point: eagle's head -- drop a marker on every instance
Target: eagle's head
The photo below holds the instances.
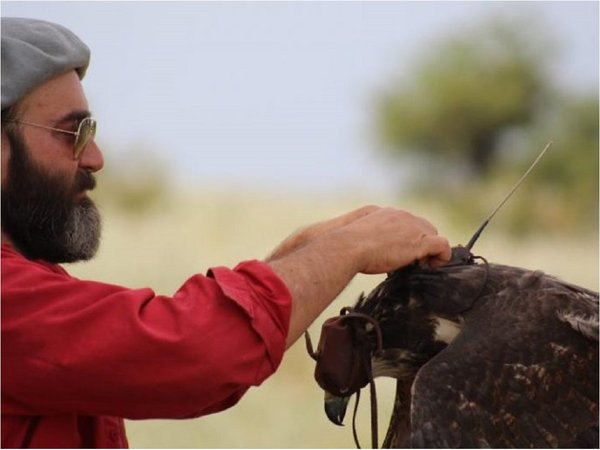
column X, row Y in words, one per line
column 390, row 332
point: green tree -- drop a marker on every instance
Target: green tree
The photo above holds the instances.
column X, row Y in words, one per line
column 473, row 114
column 464, row 95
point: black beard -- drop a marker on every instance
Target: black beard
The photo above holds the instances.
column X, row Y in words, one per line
column 40, row 212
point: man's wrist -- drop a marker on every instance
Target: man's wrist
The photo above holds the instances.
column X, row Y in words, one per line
column 344, row 247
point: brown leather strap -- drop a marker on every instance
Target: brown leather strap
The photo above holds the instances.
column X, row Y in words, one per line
column 354, row 433
column 374, row 421
column 374, row 425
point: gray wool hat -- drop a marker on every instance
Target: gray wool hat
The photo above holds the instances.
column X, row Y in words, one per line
column 35, row 51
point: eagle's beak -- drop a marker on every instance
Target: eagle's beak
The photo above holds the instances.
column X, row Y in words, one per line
column 335, row 408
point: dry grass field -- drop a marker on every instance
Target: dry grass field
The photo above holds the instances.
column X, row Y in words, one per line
column 195, row 231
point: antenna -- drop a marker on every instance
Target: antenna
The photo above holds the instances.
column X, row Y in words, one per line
column 506, row 197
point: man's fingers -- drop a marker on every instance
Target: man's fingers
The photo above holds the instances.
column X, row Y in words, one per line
column 313, row 231
column 350, row 217
column 306, row 234
column 436, row 250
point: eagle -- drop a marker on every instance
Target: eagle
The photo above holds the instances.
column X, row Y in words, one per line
column 485, row 355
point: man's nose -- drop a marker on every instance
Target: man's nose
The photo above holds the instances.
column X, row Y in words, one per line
column 91, row 158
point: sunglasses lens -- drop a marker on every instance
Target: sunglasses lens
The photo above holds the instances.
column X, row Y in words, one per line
column 85, row 133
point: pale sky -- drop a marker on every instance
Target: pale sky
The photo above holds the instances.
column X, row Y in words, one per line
column 275, row 95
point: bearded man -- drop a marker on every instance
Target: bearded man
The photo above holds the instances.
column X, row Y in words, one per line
column 78, row 356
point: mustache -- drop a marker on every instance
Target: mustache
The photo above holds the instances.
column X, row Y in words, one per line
column 84, row 181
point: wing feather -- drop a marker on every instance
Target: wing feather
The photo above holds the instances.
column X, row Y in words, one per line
column 516, row 375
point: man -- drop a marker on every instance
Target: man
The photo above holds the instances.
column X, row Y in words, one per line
column 79, row 356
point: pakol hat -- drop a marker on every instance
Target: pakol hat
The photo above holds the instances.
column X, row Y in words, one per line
column 35, row 51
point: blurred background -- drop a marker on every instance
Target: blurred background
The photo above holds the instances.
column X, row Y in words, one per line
column 228, row 125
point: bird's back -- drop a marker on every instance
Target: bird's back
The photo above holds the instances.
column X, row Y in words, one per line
column 523, row 371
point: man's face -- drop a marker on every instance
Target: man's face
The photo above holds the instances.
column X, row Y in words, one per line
column 45, row 211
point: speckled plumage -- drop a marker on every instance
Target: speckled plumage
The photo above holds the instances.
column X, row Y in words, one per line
column 521, row 372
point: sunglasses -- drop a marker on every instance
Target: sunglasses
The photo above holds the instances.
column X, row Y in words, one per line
column 86, row 131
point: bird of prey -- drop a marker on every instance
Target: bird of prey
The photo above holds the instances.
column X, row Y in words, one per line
column 485, row 355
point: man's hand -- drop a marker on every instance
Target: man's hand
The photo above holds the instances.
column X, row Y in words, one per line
column 307, row 234
column 317, row 262
column 390, row 238
column 414, row 238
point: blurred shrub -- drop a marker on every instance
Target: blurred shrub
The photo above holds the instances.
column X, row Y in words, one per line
column 473, row 115
column 564, row 192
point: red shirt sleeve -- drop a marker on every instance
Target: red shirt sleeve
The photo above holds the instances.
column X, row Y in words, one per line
column 74, row 346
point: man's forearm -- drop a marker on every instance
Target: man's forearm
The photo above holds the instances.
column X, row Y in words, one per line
column 315, row 274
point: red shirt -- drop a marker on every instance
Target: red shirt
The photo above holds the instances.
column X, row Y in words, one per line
column 78, row 356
